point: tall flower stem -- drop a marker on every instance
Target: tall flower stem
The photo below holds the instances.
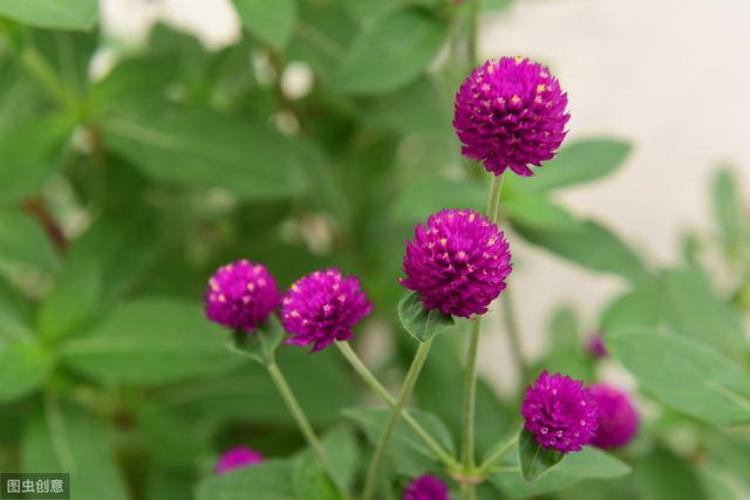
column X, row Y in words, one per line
column 371, row 483
column 470, row 377
column 299, row 416
column 378, row 388
column 511, row 326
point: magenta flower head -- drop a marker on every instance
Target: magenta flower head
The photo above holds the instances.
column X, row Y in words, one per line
column 457, row 262
column 238, row 457
column 426, row 487
column 322, row 307
column 596, row 347
column 510, row 114
column 560, row 413
column 618, row 419
column 241, row 295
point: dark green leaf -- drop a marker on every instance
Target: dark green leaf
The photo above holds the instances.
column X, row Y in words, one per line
column 311, row 482
column 64, row 439
column 55, row 14
column 72, row 304
column 421, row 324
column 592, row 246
column 684, row 374
column 691, row 308
column 270, row 480
column 150, row 341
column 533, row 458
column 391, row 54
column 24, row 367
column 23, row 241
column 589, row 463
column 343, row 451
column 271, row 22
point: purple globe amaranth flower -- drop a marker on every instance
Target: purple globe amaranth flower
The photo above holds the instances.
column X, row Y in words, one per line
column 560, row 413
column 596, row 347
column 322, row 307
column 618, row 418
column 510, row 114
column 426, row 487
column 235, row 458
column 241, row 295
column 457, row 262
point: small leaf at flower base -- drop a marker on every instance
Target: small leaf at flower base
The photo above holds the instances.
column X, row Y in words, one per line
column 421, row 324
column 262, row 344
column 534, row 459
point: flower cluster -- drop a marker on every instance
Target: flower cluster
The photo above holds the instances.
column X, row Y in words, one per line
column 457, row 262
column 426, row 487
column 510, row 114
column 560, row 413
column 235, row 458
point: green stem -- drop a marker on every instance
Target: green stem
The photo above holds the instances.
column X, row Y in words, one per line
column 371, row 483
column 511, row 326
column 299, row 415
column 473, row 35
column 388, row 399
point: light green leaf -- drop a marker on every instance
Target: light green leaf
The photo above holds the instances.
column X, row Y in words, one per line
column 311, row 482
column 728, row 206
column 421, row 324
column 271, row 22
column 392, row 53
column 14, row 315
column 343, row 451
column 55, row 14
column 662, row 474
column 536, row 211
column 691, row 308
column 205, row 148
column 533, row 458
column 64, row 439
column 592, row 246
column 566, row 352
column 23, row 241
column 150, row 341
column 577, row 163
column 633, row 309
column 270, row 480
column 422, row 198
column 684, row 374
column 589, row 463
column 31, row 153
column 24, row 367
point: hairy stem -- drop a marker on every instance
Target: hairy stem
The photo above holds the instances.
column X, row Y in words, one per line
column 371, row 483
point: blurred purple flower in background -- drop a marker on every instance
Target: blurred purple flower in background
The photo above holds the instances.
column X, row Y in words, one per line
column 618, row 418
column 457, row 262
column 426, row 487
column 235, row 458
column 510, row 114
column 596, row 346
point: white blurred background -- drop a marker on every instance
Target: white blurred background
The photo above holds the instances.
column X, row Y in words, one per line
column 670, row 75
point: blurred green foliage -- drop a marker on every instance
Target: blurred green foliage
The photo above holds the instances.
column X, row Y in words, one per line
column 120, row 193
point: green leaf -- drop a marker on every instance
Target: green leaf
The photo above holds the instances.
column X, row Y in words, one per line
column 64, row 439
column 150, row 341
column 205, row 148
column 691, row 308
column 14, row 315
column 24, row 367
column 23, row 241
column 577, row 163
column 684, row 374
column 343, row 451
column 536, row 211
column 633, row 309
column 311, row 482
column 662, row 474
column 533, row 458
column 72, row 304
column 592, row 246
column 55, row 14
column 394, row 52
column 588, row 463
column 728, row 206
column 422, row 198
column 270, row 480
column 566, row 353
column 271, row 22
column 31, row 153
column 407, row 451
column 421, row 324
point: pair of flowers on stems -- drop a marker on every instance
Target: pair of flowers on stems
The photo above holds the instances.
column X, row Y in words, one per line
column 509, row 114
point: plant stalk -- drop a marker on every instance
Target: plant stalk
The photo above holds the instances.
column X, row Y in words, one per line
column 371, row 483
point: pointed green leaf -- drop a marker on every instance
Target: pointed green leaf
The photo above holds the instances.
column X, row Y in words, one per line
column 24, row 366
column 270, row 480
column 271, row 22
column 421, row 324
column 55, row 14
column 534, row 459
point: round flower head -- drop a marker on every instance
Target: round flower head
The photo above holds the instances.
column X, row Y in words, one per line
column 457, row 262
column 559, row 412
column 596, row 346
column 322, row 307
column 236, row 458
column 426, row 488
column 618, row 419
column 510, row 114
column 241, row 295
